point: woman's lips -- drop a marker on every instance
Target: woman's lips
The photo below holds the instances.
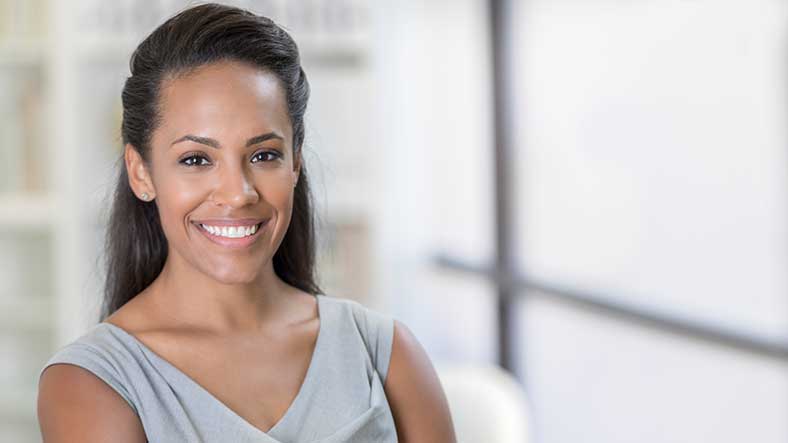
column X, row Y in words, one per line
column 233, row 243
column 230, row 221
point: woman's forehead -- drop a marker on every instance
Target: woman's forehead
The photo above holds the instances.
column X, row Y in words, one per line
column 224, row 97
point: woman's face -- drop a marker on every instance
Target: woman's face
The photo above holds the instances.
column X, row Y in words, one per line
column 221, row 167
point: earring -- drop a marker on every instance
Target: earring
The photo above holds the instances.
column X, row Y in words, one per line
column 145, row 196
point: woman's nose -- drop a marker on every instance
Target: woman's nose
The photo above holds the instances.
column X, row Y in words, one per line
column 235, row 189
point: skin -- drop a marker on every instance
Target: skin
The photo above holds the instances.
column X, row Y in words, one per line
column 213, row 308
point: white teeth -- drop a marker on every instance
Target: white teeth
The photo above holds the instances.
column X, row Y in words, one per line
column 232, row 231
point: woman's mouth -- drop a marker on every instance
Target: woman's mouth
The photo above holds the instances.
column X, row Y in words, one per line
column 233, row 236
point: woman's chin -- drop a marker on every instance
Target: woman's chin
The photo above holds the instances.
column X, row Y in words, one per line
column 234, row 276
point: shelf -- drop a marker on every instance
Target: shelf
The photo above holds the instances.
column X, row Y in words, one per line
column 21, row 210
column 334, row 51
column 26, row 312
column 21, row 53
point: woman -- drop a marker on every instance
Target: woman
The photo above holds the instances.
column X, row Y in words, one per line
column 213, row 327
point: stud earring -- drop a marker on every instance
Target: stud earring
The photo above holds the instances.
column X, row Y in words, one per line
column 145, row 196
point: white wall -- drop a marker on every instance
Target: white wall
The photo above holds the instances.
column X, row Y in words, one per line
column 652, row 165
column 432, row 169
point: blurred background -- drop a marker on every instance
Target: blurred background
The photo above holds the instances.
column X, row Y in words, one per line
column 580, row 207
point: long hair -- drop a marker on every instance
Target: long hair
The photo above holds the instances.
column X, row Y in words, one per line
column 136, row 247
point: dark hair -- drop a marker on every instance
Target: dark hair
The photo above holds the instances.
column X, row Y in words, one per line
column 136, row 247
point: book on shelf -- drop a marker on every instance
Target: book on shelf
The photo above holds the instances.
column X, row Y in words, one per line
column 10, row 133
column 21, row 20
column 324, row 20
column 21, row 122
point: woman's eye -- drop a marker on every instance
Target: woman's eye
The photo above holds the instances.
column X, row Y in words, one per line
column 199, row 160
column 261, row 156
column 195, row 160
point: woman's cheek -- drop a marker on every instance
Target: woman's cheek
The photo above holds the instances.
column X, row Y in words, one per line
column 177, row 199
column 278, row 194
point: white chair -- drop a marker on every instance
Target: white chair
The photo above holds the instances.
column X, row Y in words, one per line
column 487, row 404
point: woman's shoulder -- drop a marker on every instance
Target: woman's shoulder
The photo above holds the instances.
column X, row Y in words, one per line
column 103, row 352
column 373, row 326
column 360, row 311
column 96, row 343
column 371, row 321
column 83, row 380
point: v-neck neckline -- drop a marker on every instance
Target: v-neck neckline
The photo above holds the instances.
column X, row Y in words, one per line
column 307, row 382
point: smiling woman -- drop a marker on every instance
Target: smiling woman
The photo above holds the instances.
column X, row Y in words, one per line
column 213, row 328
column 204, row 168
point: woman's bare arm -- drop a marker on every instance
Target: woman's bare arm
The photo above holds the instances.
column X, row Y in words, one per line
column 76, row 406
column 418, row 403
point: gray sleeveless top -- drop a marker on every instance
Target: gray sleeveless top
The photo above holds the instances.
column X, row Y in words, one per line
column 341, row 398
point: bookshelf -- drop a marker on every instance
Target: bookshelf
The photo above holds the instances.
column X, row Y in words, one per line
column 62, row 67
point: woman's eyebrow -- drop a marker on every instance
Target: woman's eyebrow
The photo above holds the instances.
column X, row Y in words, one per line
column 215, row 143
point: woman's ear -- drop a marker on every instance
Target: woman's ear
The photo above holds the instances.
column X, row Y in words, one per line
column 139, row 178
